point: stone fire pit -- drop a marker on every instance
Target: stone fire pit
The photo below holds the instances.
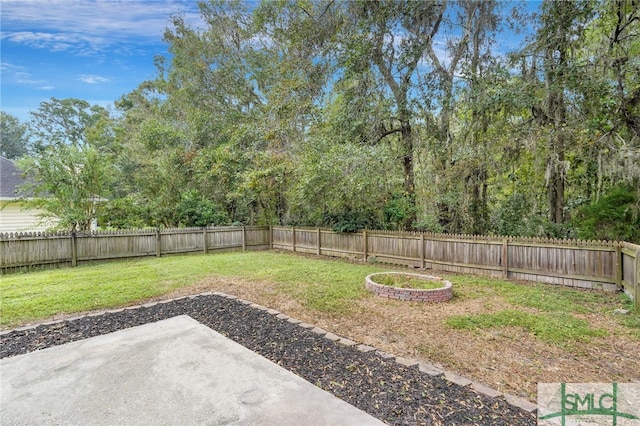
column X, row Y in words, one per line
column 441, row 293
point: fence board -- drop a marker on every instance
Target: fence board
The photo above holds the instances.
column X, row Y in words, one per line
column 224, row 239
column 28, row 252
column 346, row 245
column 257, row 238
column 306, row 240
column 98, row 247
column 282, row 237
column 20, row 251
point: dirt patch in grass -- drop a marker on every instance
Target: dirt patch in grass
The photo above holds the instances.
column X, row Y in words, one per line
column 508, row 358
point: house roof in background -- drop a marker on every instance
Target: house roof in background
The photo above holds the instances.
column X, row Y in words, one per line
column 10, row 179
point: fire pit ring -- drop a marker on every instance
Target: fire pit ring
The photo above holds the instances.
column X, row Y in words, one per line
column 441, row 294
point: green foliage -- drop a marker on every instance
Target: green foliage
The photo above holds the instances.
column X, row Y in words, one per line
column 124, row 213
column 398, row 210
column 350, row 220
column 514, row 217
column 68, row 183
column 429, row 223
column 342, row 184
column 517, row 217
column 615, row 216
column 69, row 122
column 264, row 185
column 347, row 115
column 13, row 138
column 195, row 210
column 557, row 328
column 70, row 170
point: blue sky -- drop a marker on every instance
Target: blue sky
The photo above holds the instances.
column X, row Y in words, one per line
column 96, row 50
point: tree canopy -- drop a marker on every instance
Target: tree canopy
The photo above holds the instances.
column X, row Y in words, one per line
column 394, row 114
column 13, row 138
column 70, row 167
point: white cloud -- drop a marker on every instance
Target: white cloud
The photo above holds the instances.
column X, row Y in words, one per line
column 23, row 77
column 90, row 26
column 92, row 79
column 55, row 42
column 46, row 87
column 29, row 81
column 6, row 66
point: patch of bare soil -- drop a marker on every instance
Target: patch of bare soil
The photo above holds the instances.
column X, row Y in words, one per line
column 508, row 359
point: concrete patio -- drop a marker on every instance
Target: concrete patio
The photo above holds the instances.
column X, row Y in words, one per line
column 172, row 372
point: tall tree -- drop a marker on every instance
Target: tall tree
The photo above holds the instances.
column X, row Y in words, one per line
column 70, row 170
column 610, row 94
column 393, row 37
column 481, row 70
column 553, row 58
column 13, row 138
column 623, row 52
column 455, row 83
column 394, row 114
column 461, row 82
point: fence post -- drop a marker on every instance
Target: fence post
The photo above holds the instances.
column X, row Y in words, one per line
column 270, row 237
column 422, row 255
column 244, row 239
column 365, row 245
column 636, row 296
column 293, row 237
column 505, row 257
column 618, row 265
column 74, row 249
column 204, row 239
column 319, row 245
column 158, row 243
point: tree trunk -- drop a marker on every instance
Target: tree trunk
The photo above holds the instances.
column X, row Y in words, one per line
column 408, row 173
column 556, row 161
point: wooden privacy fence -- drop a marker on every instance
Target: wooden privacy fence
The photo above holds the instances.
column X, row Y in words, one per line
column 587, row 264
column 30, row 250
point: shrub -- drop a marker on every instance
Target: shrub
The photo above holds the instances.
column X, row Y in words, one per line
column 350, row 220
column 615, row 216
column 196, row 210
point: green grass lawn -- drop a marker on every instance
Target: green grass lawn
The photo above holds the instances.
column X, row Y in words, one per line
column 557, row 328
column 321, row 285
column 556, row 321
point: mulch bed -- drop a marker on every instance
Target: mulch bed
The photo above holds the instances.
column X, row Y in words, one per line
column 393, row 393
